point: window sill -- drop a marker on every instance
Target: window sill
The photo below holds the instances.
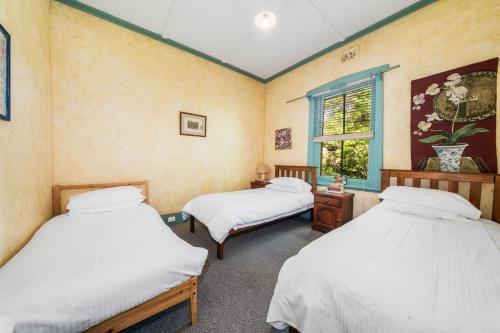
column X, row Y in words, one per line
column 357, row 187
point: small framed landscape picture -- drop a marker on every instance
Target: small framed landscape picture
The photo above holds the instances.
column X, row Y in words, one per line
column 4, row 74
column 193, row 124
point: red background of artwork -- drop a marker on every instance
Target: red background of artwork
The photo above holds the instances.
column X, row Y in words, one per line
column 481, row 145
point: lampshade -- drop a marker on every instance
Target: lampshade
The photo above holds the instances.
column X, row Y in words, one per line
column 265, row 20
column 263, row 168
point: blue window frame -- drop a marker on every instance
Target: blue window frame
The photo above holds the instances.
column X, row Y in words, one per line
column 344, row 85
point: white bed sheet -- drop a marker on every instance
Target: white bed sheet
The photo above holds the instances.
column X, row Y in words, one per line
column 221, row 212
column 393, row 272
column 80, row 270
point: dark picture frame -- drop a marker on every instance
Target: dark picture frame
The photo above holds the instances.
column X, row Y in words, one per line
column 192, row 124
column 5, row 73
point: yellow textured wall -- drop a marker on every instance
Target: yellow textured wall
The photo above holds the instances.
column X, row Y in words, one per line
column 116, row 97
column 26, row 141
column 444, row 35
column 116, row 102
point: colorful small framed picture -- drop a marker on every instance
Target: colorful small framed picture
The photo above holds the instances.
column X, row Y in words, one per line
column 4, row 74
column 283, row 139
column 193, row 124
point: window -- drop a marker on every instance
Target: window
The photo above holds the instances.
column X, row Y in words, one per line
column 346, row 130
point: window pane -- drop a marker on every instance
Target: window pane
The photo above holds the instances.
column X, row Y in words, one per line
column 348, row 158
column 333, row 118
column 355, row 158
column 331, row 153
column 358, row 106
column 347, row 113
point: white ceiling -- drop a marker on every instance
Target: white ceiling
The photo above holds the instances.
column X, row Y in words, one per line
column 225, row 29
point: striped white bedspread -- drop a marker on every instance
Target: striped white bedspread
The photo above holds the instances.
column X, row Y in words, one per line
column 394, row 272
column 80, row 270
column 221, row 212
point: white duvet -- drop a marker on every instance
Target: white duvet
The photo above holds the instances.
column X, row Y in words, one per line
column 388, row 271
column 80, row 270
column 221, row 212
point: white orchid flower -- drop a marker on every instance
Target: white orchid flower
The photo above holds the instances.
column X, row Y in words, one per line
column 433, row 89
column 457, row 95
column 453, row 80
column 419, row 99
column 424, row 126
column 461, row 91
column 433, row 116
column 452, row 83
column 454, row 76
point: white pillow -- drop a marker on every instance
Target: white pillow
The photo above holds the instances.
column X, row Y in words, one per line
column 105, row 200
column 422, row 211
column 282, row 188
column 295, row 184
column 109, row 208
column 425, row 197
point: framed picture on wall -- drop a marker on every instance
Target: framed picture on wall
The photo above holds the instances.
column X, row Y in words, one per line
column 193, row 124
column 4, row 74
column 283, row 139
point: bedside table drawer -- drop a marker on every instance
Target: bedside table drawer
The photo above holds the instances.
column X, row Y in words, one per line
column 331, row 210
column 327, row 201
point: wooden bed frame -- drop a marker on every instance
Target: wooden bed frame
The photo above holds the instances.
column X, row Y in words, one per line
column 186, row 291
column 306, row 173
column 476, row 181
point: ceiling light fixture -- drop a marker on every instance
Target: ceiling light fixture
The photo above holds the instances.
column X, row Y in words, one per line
column 265, row 20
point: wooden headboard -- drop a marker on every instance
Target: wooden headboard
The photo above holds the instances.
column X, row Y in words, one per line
column 474, row 183
column 306, row 173
column 57, row 198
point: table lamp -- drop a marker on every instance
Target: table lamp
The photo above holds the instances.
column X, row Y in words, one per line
column 263, row 170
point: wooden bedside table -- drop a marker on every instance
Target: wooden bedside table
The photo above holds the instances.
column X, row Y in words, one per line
column 258, row 183
column 331, row 210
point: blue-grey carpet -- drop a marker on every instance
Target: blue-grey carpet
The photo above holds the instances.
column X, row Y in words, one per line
column 234, row 293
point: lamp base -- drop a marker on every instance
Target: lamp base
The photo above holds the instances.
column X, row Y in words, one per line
column 263, row 177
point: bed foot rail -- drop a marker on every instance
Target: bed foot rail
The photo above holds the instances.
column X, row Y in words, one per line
column 220, row 251
column 191, row 224
column 186, row 291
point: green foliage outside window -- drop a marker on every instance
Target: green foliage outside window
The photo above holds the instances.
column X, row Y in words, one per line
column 345, row 114
column 352, row 161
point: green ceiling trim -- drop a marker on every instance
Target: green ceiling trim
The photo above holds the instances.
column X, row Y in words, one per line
column 113, row 19
column 396, row 16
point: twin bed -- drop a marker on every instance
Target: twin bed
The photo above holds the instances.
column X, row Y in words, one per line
column 229, row 214
column 99, row 272
column 421, row 261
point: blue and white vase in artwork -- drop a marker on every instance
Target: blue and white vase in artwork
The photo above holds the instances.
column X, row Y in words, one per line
column 450, row 156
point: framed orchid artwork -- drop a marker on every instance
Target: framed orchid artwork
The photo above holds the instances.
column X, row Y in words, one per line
column 453, row 120
column 4, row 74
column 283, row 139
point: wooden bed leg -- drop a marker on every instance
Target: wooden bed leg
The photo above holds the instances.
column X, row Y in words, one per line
column 220, row 251
column 191, row 224
column 194, row 301
column 312, row 214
